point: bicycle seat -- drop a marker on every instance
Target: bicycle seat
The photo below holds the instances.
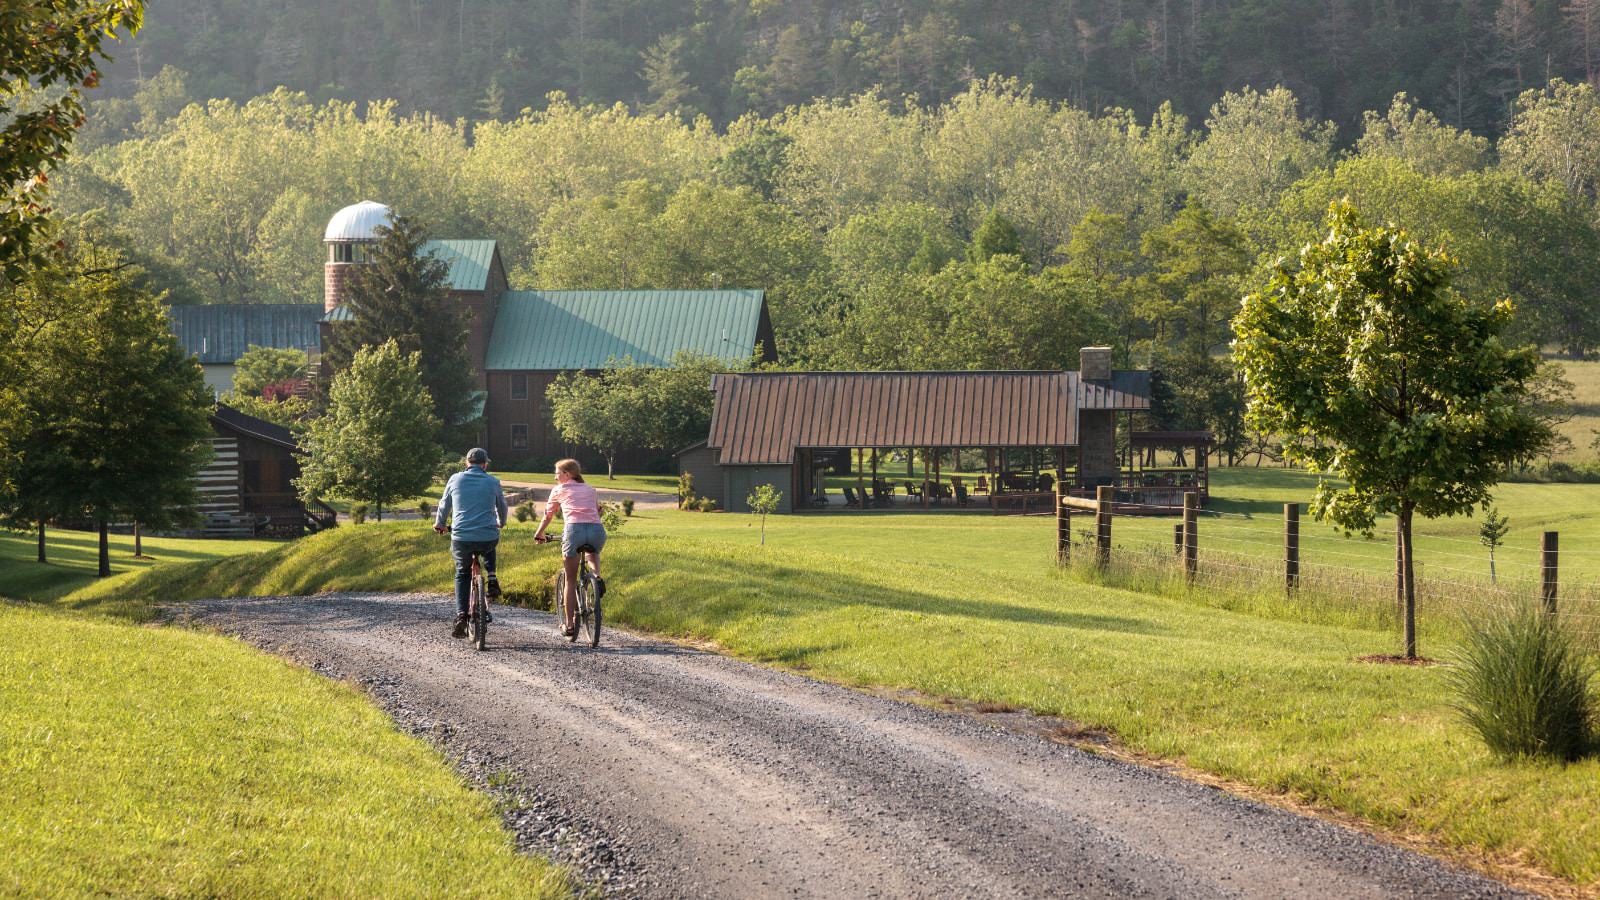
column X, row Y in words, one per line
column 585, row 548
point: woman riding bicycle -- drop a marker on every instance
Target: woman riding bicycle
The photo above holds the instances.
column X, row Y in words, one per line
column 580, row 515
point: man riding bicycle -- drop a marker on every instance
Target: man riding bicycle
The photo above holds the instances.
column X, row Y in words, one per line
column 479, row 508
column 581, row 531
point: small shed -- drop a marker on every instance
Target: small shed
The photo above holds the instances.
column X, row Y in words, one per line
column 247, row 489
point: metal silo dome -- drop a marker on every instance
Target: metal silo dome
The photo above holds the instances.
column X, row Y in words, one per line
column 357, row 223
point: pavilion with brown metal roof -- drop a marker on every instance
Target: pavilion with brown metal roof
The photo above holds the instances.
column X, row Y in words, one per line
column 785, row 428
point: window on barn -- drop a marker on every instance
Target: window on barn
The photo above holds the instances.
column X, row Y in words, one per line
column 519, row 387
column 519, row 437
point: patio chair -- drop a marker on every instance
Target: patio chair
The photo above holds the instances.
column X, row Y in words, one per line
column 983, row 485
column 961, row 495
column 913, row 491
column 850, row 497
column 1047, row 482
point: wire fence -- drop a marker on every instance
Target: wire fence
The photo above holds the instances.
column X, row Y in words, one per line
column 1282, row 568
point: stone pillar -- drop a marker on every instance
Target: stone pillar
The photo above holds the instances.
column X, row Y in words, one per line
column 1094, row 364
column 1097, row 428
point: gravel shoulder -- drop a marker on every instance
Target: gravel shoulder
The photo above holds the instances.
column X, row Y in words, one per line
column 660, row 771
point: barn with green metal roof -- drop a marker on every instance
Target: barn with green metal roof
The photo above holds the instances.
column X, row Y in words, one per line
column 520, row 341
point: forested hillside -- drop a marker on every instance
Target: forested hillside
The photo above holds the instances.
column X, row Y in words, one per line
column 1464, row 59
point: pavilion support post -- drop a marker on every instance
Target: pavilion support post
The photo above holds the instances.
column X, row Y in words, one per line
column 861, row 485
column 1191, row 537
column 1103, row 495
column 874, row 474
column 924, row 478
column 1291, row 548
column 938, row 452
column 1063, row 530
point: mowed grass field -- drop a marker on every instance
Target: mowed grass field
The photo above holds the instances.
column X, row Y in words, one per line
column 959, row 605
column 163, row 762
column 1585, row 378
column 159, row 762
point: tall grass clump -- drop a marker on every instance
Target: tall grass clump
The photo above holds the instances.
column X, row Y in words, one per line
column 1522, row 682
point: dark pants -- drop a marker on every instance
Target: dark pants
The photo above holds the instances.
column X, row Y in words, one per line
column 461, row 552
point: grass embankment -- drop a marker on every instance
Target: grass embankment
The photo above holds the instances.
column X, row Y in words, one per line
column 149, row 761
column 74, row 558
column 970, row 607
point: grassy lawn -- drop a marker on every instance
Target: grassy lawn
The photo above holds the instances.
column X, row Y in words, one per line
column 970, row 606
column 1585, row 378
column 154, row 761
column 74, row 555
column 654, row 484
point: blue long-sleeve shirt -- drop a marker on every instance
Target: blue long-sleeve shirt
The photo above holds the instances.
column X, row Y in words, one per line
column 478, row 503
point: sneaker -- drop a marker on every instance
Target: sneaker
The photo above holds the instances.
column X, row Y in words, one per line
column 487, row 617
column 461, row 626
column 599, row 588
column 492, row 587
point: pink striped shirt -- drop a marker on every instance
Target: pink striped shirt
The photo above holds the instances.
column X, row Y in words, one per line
column 578, row 501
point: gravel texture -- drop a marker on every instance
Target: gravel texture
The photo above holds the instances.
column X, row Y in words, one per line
column 659, row 771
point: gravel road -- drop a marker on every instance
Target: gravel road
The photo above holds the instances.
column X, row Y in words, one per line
column 660, row 771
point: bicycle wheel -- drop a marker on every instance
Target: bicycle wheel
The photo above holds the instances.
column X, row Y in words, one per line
column 479, row 627
column 591, row 611
column 560, row 605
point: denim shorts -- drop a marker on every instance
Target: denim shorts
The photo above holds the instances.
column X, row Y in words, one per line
column 576, row 534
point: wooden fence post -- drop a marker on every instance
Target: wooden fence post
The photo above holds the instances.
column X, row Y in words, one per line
column 1191, row 537
column 1177, row 539
column 1549, row 550
column 1291, row 547
column 1103, row 495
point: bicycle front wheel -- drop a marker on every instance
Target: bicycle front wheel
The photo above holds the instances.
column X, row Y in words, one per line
column 591, row 613
column 480, row 614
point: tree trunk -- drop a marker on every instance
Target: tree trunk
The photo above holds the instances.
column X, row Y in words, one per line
column 380, row 511
column 41, row 542
column 138, row 541
column 105, row 550
column 763, row 529
column 1409, row 581
column 1491, row 566
column 611, row 466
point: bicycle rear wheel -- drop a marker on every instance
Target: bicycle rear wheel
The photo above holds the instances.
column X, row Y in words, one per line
column 479, row 625
column 590, row 610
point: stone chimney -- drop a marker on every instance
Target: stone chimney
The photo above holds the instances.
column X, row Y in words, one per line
column 1094, row 363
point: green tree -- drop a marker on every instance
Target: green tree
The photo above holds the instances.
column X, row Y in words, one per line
column 763, row 502
column 118, row 410
column 375, row 444
column 402, row 295
column 49, row 53
column 608, row 411
column 258, row 367
column 1555, row 137
column 671, row 93
column 1375, row 371
column 1417, row 138
column 996, row 236
column 756, row 162
column 1193, row 290
column 1256, row 145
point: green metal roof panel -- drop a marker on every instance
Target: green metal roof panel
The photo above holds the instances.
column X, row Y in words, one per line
column 221, row 333
column 566, row 330
column 340, row 314
column 469, row 262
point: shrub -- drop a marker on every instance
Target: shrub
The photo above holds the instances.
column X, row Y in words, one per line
column 685, row 491
column 611, row 517
column 1523, row 684
column 708, row 504
column 627, row 507
column 524, row 512
column 425, row 508
column 358, row 514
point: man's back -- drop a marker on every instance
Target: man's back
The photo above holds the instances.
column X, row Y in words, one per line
column 479, row 506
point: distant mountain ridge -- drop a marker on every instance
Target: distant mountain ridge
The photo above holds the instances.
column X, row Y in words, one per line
column 1465, row 59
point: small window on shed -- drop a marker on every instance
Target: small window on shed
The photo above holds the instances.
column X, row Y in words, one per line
column 519, row 437
column 519, row 387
